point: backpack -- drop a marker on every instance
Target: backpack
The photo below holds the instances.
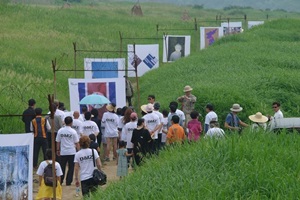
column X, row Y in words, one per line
column 48, row 176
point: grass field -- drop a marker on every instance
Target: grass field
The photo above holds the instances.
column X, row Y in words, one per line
column 254, row 69
column 251, row 166
column 250, row 69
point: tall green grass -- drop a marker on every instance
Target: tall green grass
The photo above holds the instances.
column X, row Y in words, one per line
column 251, row 166
column 31, row 36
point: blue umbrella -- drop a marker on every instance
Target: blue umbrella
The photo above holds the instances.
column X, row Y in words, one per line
column 94, row 99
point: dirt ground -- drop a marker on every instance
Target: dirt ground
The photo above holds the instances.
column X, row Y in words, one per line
column 69, row 192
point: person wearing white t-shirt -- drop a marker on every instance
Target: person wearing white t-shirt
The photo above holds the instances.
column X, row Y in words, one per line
column 77, row 124
column 164, row 128
column 210, row 116
column 58, row 112
column 46, row 191
column 278, row 114
column 152, row 123
column 214, row 131
column 127, row 134
column 110, row 120
column 160, row 116
column 89, row 126
column 84, row 165
column 177, row 112
column 67, row 144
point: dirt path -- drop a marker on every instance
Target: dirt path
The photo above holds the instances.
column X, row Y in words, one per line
column 69, row 192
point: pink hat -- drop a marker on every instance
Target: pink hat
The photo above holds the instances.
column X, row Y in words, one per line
column 133, row 115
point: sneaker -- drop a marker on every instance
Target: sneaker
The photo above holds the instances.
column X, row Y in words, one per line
column 106, row 159
column 114, row 158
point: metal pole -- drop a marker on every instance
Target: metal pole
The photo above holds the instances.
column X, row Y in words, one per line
column 54, row 76
column 51, row 100
column 137, row 79
column 196, row 30
column 121, row 43
column 75, row 52
column 228, row 31
column 157, row 32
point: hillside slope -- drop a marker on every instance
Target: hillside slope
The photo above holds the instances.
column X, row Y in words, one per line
column 32, row 36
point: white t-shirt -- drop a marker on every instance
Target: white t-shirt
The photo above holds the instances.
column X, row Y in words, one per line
column 77, row 126
column 180, row 114
column 44, row 164
column 127, row 133
column 61, row 114
column 278, row 115
column 84, row 158
column 210, row 116
column 110, row 121
column 81, row 117
column 90, row 127
column 151, row 121
column 160, row 116
column 121, row 124
column 215, row 132
column 165, row 128
column 68, row 138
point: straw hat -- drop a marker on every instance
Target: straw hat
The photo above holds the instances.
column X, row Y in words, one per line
column 187, row 88
column 149, row 107
column 236, row 108
column 143, row 108
column 110, row 108
column 258, row 117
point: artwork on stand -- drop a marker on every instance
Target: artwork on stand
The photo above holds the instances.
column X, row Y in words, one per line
column 146, row 58
column 16, row 159
column 112, row 88
column 104, row 68
column 231, row 27
column 176, row 47
column 254, row 23
column 208, row 35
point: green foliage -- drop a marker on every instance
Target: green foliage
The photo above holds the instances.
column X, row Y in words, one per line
column 236, row 7
column 200, row 7
column 251, row 166
column 250, row 68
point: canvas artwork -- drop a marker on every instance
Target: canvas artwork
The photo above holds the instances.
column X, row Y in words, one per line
column 112, row 88
column 176, row 47
column 254, row 23
column 104, row 68
column 208, row 35
column 231, row 27
column 146, row 58
column 16, row 153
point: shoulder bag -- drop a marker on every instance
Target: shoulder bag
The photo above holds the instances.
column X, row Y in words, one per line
column 99, row 176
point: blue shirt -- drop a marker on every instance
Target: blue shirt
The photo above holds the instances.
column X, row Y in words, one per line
column 232, row 122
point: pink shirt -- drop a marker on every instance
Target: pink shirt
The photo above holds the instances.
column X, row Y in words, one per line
column 195, row 129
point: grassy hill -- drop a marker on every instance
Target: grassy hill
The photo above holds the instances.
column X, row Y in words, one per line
column 254, row 166
column 253, row 69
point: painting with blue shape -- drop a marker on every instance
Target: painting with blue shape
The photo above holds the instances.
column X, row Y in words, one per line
column 102, row 69
column 14, row 169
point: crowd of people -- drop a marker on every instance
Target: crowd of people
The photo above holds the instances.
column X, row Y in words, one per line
column 78, row 138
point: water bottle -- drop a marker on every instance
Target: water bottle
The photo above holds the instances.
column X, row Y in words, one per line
column 77, row 191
